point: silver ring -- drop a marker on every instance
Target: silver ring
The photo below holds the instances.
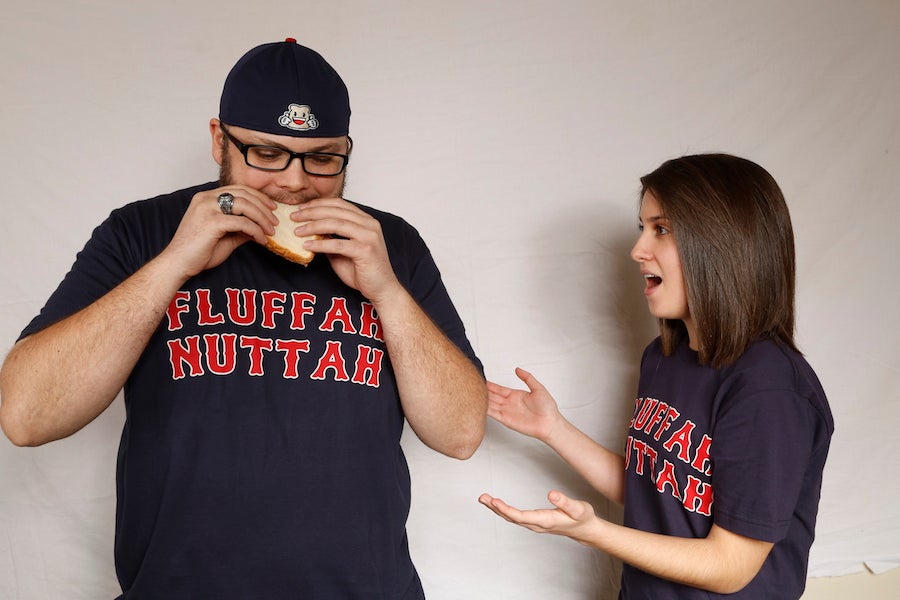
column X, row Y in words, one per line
column 226, row 203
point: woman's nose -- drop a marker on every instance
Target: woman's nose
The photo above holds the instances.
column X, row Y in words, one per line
column 640, row 252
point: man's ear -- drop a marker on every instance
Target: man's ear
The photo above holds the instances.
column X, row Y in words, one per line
column 218, row 138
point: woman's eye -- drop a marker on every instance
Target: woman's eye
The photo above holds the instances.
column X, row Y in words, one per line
column 661, row 230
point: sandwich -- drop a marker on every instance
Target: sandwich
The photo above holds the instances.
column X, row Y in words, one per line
column 284, row 242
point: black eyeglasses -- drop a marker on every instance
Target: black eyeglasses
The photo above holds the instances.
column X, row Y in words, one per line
column 273, row 158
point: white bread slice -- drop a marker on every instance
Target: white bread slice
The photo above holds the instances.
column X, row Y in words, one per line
column 285, row 243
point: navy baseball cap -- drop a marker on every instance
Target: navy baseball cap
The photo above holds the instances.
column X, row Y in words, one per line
column 284, row 88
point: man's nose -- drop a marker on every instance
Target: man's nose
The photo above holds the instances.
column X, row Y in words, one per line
column 294, row 177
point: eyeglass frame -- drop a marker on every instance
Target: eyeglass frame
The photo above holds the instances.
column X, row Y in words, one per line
column 244, row 149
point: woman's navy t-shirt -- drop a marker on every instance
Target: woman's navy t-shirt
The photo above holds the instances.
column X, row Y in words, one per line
column 742, row 446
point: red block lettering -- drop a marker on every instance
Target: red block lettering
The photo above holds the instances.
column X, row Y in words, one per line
column 637, row 408
column 682, row 438
column 338, row 313
column 221, row 352
column 628, row 447
column 671, row 415
column 644, row 413
column 657, row 416
column 368, row 360
column 370, row 326
column 652, row 454
column 190, row 356
column 639, row 447
column 292, row 350
column 331, row 359
column 698, row 496
column 642, row 450
column 701, row 460
column 272, row 304
column 256, row 346
column 177, row 306
column 204, row 308
column 667, row 477
column 302, row 305
column 238, row 299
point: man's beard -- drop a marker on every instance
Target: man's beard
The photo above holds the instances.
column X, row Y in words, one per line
column 225, row 178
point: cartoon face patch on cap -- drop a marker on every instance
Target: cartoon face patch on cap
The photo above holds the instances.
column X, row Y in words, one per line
column 298, row 117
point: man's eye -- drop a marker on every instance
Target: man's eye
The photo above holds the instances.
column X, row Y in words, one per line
column 321, row 159
column 267, row 154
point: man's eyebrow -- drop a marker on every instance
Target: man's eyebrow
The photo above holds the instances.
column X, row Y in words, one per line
column 327, row 147
column 323, row 147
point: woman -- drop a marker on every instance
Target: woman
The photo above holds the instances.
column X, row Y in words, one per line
column 722, row 470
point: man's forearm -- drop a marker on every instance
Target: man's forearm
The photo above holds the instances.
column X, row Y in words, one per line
column 56, row 381
column 443, row 394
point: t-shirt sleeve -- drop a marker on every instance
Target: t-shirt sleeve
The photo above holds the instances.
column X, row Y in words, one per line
column 415, row 267
column 105, row 261
column 763, row 442
column 130, row 237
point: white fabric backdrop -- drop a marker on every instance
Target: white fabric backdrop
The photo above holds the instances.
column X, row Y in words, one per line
column 512, row 135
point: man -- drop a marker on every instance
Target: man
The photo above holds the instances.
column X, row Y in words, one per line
column 265, row 401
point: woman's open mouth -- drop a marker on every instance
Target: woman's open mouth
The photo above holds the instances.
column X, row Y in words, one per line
column 653, row 281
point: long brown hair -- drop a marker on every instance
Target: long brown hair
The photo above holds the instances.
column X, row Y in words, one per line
column 736, row 245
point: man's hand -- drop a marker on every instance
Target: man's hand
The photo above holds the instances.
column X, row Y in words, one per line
column 207, row 236
column 47, row 392
column 354, row 243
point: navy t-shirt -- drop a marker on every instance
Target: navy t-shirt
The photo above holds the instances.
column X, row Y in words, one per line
column 260, row 456
column 742, row 446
